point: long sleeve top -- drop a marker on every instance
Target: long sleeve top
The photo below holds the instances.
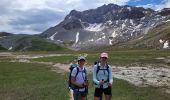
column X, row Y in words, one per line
column 102, row 75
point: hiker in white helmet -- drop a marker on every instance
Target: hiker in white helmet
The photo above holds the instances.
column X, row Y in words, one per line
column 79, row 80
column 102, row 78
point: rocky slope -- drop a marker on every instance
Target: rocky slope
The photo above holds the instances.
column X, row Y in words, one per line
column 106, row 25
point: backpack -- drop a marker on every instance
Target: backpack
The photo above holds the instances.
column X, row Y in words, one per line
column 72, row 86
column 96, row 62
column 71, row 69
column 107, row 69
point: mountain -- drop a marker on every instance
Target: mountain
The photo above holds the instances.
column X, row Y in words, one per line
column 22, row 42
column 4, row 34
column 106, row 25
column 157, row 37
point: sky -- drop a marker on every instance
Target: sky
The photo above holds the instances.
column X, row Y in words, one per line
column 35, row 16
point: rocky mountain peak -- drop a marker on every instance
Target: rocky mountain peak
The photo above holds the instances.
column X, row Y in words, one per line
column 106, row 25
column 165, row 12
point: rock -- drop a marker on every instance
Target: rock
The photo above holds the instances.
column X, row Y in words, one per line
column 106, row 25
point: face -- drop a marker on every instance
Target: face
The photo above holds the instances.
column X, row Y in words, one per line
column 103, row 59
column 81, row 62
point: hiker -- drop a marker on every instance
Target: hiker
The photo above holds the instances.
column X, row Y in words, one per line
column 102, row 78
column 79, row 80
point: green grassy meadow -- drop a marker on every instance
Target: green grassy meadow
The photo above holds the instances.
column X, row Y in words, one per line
column 24, row 81
column 117, row 57
column 21, row 81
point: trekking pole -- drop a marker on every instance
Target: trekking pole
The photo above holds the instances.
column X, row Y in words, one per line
column 111, row 93
column 86, row 97
column 101, row 88
column 110, row 97
column 77, row 96
column 86, row 88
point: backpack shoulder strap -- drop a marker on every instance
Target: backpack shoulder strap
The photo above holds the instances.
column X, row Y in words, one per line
column 85, row 71
column 107, row 68
column 77, row 72
column 98, row 68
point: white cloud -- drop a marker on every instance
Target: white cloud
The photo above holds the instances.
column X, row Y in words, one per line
column 10, row 11
column 61, row 5
column 166, row 4
column 13, row 11
column 153, row 6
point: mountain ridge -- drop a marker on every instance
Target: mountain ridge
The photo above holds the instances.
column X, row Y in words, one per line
column 106, row 25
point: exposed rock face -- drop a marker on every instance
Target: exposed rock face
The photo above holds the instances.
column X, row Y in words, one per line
column 106, row 25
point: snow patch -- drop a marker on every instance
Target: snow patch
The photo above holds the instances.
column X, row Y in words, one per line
column 143, row 18
column 161, row 41
column 91, row 40
column 123, row 25
column 103, row 37
column 69, row 17
column 139, row 26
column 129, row 8
column 80, row 20
column 114, row 34
column 52, row 37
column 10, row 48
column 152, row 25
column 110, row 42
column 126, row 20
column 99, row 39
column 140, row 37
column 59, row 41
column 168, row 20
column 77, row 37
column 131, row 21
column 109, row 22
column 166, row 45
column 117, row 22
column 94, row 27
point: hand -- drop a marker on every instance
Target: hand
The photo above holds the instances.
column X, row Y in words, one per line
column 101, row 82
column 81, row 85
column 109, row 84
column 86, row 83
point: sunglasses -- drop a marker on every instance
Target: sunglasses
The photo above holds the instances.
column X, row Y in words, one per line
column 81, row 60
column 104, row 57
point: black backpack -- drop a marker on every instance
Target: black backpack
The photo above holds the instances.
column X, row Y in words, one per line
column 72, row 86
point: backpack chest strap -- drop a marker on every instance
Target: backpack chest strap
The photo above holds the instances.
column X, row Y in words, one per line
column 83, row 71
column 107, row 69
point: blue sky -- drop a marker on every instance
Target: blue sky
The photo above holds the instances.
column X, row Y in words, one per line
column 35, row 16
column 144, row 2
